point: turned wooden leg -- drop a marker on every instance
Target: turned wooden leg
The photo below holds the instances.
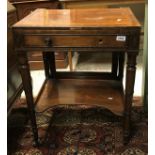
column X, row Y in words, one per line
column 129, row 90
column 121, row 66
column 114, row 66
column 26, row 79
column 52, row 67
column 46, row 64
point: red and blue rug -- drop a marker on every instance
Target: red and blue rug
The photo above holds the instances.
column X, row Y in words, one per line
column 76, row 131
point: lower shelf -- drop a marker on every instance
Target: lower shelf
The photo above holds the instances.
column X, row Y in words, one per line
column 108, row 94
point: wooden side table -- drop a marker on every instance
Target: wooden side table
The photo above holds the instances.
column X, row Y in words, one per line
column 86, row 30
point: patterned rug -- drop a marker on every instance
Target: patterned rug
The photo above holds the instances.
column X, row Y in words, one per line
column 77, row 131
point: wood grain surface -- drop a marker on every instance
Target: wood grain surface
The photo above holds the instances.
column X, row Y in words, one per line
column 118, row 17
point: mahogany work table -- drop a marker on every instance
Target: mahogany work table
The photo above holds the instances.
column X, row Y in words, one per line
column 86, row 30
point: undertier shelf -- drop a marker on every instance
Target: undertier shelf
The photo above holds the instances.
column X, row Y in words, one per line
column 104, row 93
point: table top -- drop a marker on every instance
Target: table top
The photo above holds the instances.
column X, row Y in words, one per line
column 27, row 1
column 108, row 17
column 109, row 1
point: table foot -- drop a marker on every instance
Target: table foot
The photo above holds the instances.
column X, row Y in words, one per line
column 37, row 143
column 126, row 138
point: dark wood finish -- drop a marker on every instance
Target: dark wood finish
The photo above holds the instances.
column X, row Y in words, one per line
column 46, row 65
column 86, row 26
column 114, row 63
column 85, row 75
column 121, row 65
column 11, row 56
column 14, row 82
column 129, row 90
column 52, row 68
column 72, row 41
column 26, row 78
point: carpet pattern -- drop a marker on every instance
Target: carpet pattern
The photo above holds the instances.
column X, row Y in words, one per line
column 77, row 131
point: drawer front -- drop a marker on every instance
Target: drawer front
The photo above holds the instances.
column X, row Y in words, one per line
column 74, row 41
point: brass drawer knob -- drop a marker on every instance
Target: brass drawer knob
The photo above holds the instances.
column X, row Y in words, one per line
column 48, row 41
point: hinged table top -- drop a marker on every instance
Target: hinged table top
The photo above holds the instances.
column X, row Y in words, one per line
column 108, row 17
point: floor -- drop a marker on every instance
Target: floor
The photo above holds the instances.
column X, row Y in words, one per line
column 86, row 131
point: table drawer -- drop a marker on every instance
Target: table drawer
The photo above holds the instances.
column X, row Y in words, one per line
column 74, row 41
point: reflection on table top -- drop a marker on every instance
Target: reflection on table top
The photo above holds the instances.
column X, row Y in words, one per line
column 118, row 17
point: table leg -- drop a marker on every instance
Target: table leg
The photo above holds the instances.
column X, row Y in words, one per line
column 121, row 66
column 51, row 61
column 46, row 65
column 27, row 85
column 115, row 64
column 129, row 90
